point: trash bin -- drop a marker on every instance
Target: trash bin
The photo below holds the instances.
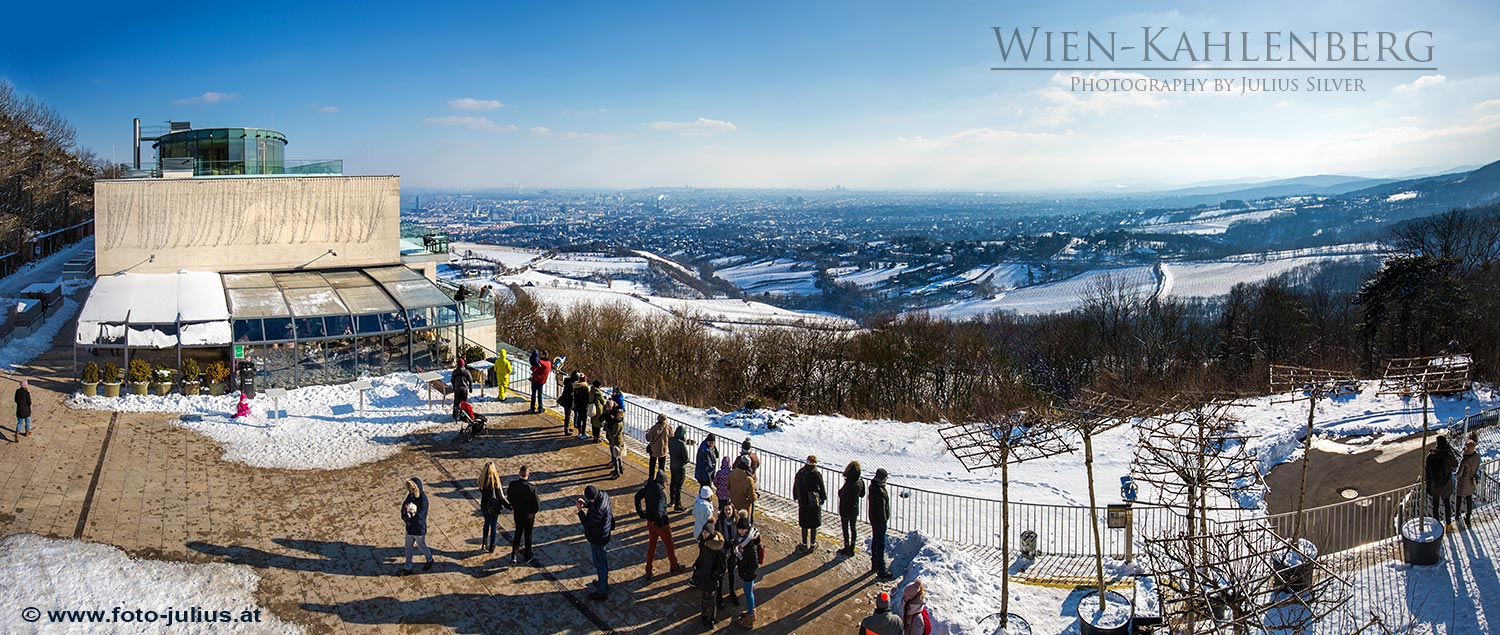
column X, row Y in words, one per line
column 245, row 377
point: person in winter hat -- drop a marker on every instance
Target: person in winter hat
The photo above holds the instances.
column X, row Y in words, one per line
column 721, row 480
column 491, row 502
column 677, row 451
column 656, row 444
column 850, row 492
column 581, row 399
column 503, row 369
column 614, row 435
column 565, row 401
column 460, row 381
column 23, row 410
column 742, row 487
column 807, row 490
column 651, row 505
column 524, row 506
column 724, row 524
column 1439, row 468
column 882, row 621
column 541, row 369
column 242, row 411
column 703, row 512
column 1468, row 478
column 747, row 565
column 708, row 457
column 914, row 616
column 414, row 516
column 597, row 401
column 880, row 518
column 750, row 456
column 598, row 523
column 708, row 571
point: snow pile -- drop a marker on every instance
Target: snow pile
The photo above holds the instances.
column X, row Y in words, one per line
column 1401, row 196
column 49, row 575
column 20, row 351
column 320, row 430
column 963, row 593
column 751, row 420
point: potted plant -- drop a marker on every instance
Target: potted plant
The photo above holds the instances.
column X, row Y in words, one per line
column 111, row 379
column 1422, row 540
column 161, row 381
column 1292, row 567
column 190, row 377
column 140, row 376
column 91, row 379
column 217, row 373
column 1112, row 619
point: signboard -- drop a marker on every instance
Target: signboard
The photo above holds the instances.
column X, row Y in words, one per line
column 1119, row 516
column 239, row 351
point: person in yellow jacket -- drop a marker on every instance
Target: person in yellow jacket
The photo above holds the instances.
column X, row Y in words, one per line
column 502, row 374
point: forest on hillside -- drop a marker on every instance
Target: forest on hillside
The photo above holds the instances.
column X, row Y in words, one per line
column 46, row 179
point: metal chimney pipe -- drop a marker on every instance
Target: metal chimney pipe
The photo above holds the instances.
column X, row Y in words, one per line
column 137, row 143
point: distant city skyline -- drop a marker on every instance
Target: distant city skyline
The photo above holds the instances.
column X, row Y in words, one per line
column 874, row 96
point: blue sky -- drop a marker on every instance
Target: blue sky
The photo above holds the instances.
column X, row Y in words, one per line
column 889, row 95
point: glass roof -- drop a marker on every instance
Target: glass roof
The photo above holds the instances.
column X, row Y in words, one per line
column 246, row 304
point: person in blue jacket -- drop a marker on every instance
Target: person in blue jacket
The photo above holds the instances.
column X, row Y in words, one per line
column 414, row 516
column 598, row 523
column 708, row 458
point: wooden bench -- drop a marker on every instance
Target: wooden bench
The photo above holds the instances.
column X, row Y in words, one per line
column 1145, row 605
column 441, row 387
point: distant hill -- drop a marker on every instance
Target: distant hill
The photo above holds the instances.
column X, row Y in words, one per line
column 1322, row 184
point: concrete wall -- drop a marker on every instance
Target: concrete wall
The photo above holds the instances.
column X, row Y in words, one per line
column 246, row 223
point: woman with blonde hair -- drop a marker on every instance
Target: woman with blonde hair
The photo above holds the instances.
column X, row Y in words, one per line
column 491, row 502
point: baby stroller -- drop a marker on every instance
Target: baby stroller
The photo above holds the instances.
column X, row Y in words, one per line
column 473, row 422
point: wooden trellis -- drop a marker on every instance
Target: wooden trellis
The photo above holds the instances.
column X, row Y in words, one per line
column 1298, row 383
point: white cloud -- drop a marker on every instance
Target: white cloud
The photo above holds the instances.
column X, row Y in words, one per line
column 209, row 97
column 470, row 103
column 540, row 131
column 701, row 127
column 1062, row 105
column 327, row 108
column 1420, row 83
column 482, row 124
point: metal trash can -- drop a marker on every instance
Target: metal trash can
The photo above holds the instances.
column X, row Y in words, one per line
column 245, row 377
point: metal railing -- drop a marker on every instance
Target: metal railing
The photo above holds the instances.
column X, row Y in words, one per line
column 238, row 168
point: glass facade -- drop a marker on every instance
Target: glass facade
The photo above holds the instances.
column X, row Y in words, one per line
column 227, row 151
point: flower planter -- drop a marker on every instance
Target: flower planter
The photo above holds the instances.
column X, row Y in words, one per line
column 161, row 389
column 1291, row 570
column 1422, row 541
column 90, row 390
column 111, row 389
column 216, row 389
column 191, row 388
column 1014, row 625
column 1115, row 620
column 139, row 388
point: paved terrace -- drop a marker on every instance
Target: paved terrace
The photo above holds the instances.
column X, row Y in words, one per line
column 326, row 543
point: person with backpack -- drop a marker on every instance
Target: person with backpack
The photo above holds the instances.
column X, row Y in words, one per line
column 598, row 522
column 807, row 490
column 880, row 518
column 651, row 505
column 582, row 390
column 850, row 492
column 742, row 487
column 541, row 369
column 703, row 464
column 414, row 516
column 614, row 434
column 748, row 556
column 524, row 506
column 881, row 622
column 565, row 401
column 914, row 616
column 656, row 444
column 491, row 502
column 1468, row 478
column 721, row 480
column 1439, row 468
column 678, row 459
column 708, row 573
column 23, row 410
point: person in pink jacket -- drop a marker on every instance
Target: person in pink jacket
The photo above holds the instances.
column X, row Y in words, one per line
column 721, row 481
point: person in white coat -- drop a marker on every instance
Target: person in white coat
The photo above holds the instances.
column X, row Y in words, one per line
column 703, row 510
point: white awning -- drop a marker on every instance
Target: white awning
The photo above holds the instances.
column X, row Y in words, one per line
column 155, row 306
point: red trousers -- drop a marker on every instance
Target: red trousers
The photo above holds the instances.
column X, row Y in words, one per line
column 663, row 533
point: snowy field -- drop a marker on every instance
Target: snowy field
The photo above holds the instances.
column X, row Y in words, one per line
column 1052, row 297
column 49, row 574
column 511, row 257
column 873, row 277
column 1216, row 278
column 774, row 277
column 320, row 429
column 581, row 265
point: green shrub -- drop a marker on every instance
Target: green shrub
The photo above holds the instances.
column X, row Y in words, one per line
column 190, row 370
column 755, row 403
column 111, row 374
column 217, row 373
column 472, row 353
column 140, row 371
column 91, row 373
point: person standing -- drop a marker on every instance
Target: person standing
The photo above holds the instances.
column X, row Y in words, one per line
column 742, row 487
column 1468, row 477
column 502, row 371
column 751, row 457
column 565, row 401
column 597, row 400
column 656, row 444
column 807, row 490
column 598, row 523
column 850, row 492
column 703, row 510
column 414, row 516
column 708, row 457
column 1439, row 466
column 678, row 451
column 23, row 410
column 724, row 525
column 491, row 502
column 581, row 392
column 721, row 480
column 460, row 381
column 651, row 505
column 614, row 434
column 914, row 616
column 747, row 559
column 880, row 518
column 541, row 369
column 708, row 572
column 881, row 622
column 523, row 506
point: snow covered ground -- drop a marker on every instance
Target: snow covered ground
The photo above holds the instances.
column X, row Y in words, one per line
column 774, row 277
column 320, row 429
column 53, row 575
column 21, row 350
column 1216, row 278
column 1053, row 297
column 48, row 269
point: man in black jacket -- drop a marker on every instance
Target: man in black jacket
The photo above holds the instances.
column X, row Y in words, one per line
column 651, row 504
column 880, row 518
column 677, row 453
column 708, row 572
column 23, row 411
column 524, row 506
column 598, row 523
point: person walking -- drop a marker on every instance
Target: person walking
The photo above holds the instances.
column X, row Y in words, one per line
column 414, row 516
column 597, row 399
column 880, row 518
column 882, row 621
column 460, row 381
column 708, row 572
column 678, row 455
column 721, row 480
column 747, row 559
column 703, row 510
column 523, row 506
column 565, row 401
column 651, row 505
column 1468, row 478
column 704, row 462
column 807, row 490
column 491, row 502
column 656, row 444
column 915, row 619
column 598, row 523
column 23, row 410
column 1439, row 468
column 614, row 434
column 581, row 399
column 541, row 369
column 850, row 492
column 742, row 487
